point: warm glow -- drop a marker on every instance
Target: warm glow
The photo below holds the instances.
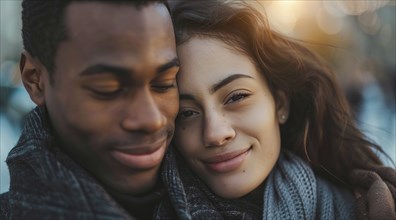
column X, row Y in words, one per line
column 327, row 22
column 328, row 17
column 283, row 15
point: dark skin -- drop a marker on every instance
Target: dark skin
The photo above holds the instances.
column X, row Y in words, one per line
column 113, row 96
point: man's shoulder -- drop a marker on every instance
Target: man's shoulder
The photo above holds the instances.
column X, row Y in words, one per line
column 35, row 135
column 4, row 207
column 4, row 198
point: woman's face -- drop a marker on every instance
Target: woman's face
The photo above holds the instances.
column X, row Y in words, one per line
column 228, row 123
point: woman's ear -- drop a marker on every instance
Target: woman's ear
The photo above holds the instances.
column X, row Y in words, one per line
column 282, row 107
column 32, row 74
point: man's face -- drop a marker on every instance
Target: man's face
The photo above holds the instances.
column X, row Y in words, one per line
column 113, row 99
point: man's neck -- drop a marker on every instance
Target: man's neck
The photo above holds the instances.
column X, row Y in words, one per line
column 140, row 206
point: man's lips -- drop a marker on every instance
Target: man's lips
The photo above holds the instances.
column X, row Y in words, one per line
column 140, row 157
column 226, row 162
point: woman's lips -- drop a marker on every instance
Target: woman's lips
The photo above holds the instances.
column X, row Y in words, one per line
column 226, row 162
column 140, row 158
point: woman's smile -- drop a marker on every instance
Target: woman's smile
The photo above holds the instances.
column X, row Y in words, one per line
column 226, row 162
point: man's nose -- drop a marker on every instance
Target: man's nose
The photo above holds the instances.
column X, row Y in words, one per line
column 143, row 113
column 217, row 130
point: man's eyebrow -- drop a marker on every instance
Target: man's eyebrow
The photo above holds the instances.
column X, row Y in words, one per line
column 123, row 72
column 105, row 69
column 173, row 63
column 228, row 80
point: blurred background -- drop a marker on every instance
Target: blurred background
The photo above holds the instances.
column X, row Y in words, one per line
column 356, row 38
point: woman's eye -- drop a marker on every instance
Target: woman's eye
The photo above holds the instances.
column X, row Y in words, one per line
column 186, row 114
column 237, row 97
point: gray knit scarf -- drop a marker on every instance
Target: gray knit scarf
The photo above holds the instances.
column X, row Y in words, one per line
column 292, row 191
column 47, row 184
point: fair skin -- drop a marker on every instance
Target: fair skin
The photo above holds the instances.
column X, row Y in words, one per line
column 228, row 123
column 113, row 97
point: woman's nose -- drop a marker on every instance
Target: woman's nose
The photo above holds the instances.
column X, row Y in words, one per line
column 217, row 130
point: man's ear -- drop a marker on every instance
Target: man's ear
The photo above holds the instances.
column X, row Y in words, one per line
column 282, row 107
column 32, row 74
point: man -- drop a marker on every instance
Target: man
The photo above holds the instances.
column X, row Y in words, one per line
column 103, row 75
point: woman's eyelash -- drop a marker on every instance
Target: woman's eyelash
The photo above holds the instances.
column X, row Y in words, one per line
column 186, row 114
column 237, row 97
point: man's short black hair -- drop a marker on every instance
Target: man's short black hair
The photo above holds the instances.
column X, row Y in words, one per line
column 44, row 28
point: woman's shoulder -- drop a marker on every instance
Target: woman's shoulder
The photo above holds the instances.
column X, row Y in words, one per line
column 339, row 197
column 294, row 180
column 375, row 192
column 369, row 194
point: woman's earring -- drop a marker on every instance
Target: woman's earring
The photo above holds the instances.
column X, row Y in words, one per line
column 283, row 118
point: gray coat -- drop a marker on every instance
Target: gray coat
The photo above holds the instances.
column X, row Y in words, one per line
column 47, row 184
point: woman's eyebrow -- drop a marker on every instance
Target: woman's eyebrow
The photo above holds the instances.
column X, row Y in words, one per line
column 228, row 80
column 186, row 97
column 216, row 86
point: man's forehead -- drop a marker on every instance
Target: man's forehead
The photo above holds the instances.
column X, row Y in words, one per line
column 120, row 35
column 104, row 16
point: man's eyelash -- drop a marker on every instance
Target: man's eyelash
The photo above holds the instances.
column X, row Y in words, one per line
column 164, row 88
column 109, row 94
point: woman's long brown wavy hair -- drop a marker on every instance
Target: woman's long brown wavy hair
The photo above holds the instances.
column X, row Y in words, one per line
column 320, row 127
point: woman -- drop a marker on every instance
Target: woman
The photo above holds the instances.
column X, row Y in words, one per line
column 264, row 128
